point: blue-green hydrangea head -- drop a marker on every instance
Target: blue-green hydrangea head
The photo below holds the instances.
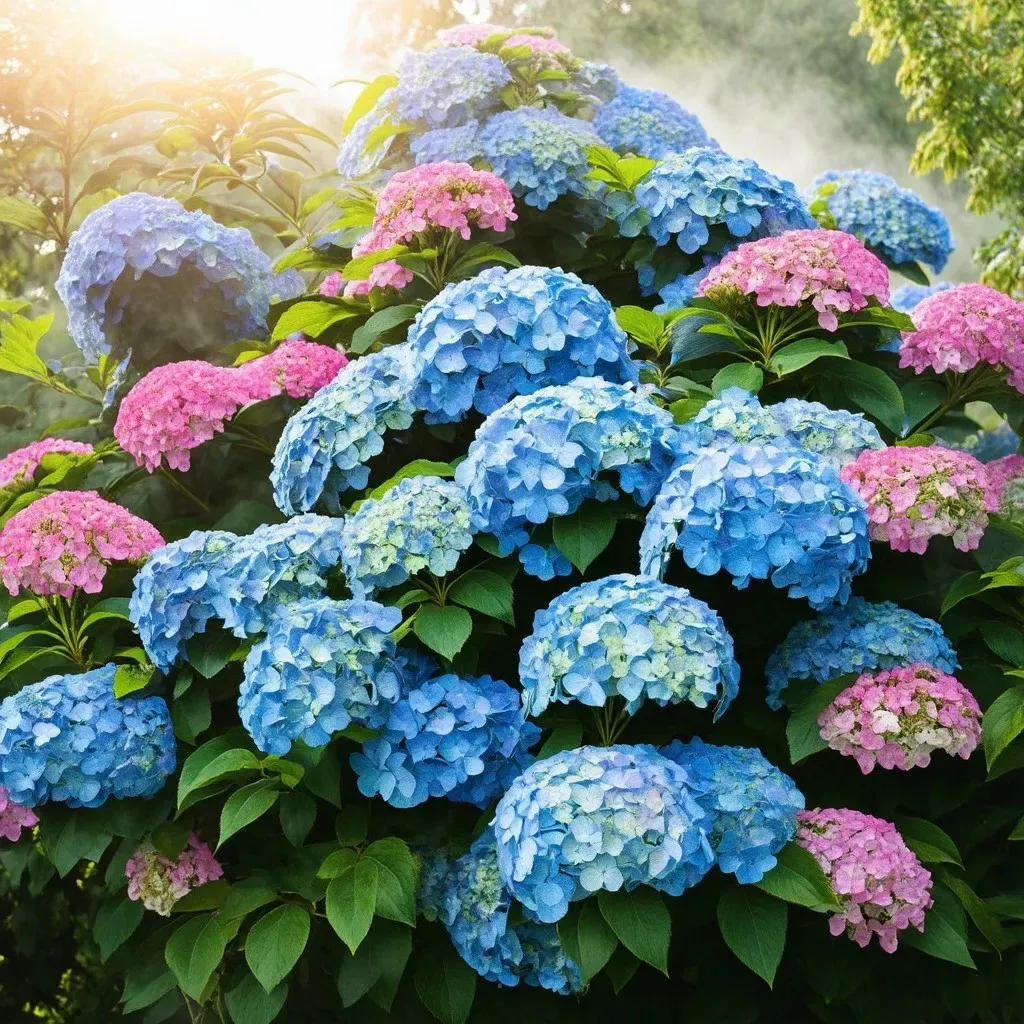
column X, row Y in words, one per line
column 648, row 123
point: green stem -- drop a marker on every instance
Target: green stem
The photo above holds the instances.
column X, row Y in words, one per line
column 178, row 485
column 958, row 389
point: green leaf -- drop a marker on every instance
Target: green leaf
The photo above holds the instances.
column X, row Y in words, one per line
column 380, row 323
column 214, row 764
column 246, row 896
column 798, row 878
column 19, row 339
column 737, row 375
column 275, row 943
column 297, row 812
column 642, row 324
column 20, row 214
column 1002, row 723
column 799, row 354
column 208, row 896
column 247, row 1003
column 621, row 969
column 245, row 805
column 963, row 587
column 1018, row 831
column 111, row 608
column 359, row 268
column 582, row 536
column 754, row 928
column 209, row 652
column 641, row 922
column 193, row 953
column 485, row 592
column 444, row 630
column 686, row 408
column 378, row 966
column 476, row 256
column 1004, row 640
column 396, row 879
column 913, row 272
column 367, row 99
column 563, row 737
column 68, row 836
column 586, row 938
column 337, row 863
column 145, row 983
column 945, row 930
column 418, row 467
column 115, row 922
column 312, row 317
column 191, row 713
column 928, row 841
column 979, row 912
column 802, row 731
column 446, row 985
column 875, row 392
column 351, row 899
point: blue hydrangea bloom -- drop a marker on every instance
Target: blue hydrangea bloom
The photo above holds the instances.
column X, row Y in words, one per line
column 908, row 296
column 353, row 159
column 989, row 445
column 441, row 145
column 240, row 580
column 447, row 86
column 539, row 153
column 628, row 636
column 648, row 123
column 543, row 455
column 454, row 737
column 686, row 195
column 506, row 332
column 736, row 416
column 139, row 236
column 679, row 292
column 68, row 740
column 422, row 523
column 322, row 665
column 894, row 221
column 434, row 867
column 596, row 83
column 474, row 906
column 761, row 512
column 858, row 637
column 324, row 447
column 599, row 818
column 752, row 805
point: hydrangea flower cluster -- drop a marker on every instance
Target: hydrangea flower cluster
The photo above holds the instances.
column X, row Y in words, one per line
column 446, row 86
column 64, row 542
column 14, row 817
column 960, row 327
column 1001, row 471
column 854, row 638
column 896, row 718
column 539, row 152
column 67, row 739
column 599, row 818
column 989, row 445
column 461, row 738
column 240, row 580
column 138, row 236
column 908, row 297
column 543, row 455
column 830, row 269
column 896, row 222
column 421, row 523
column 883, row 887
column 459, row 144
column 648, row 123
column 354, row 159
column 297, row 368
column 18, row 468
column 160, row 882
column 473, row 905
column 736, row 416
column 324, row 447
column 469, row 34
column 688, row 194
column 760, row 512
column 322, row 665
column 752, row 805
column 504, row 333
column 914, row 494
column 175, row 408
column 628, row 636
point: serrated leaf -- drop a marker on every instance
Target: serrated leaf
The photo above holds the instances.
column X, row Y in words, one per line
column 297, row 813
column 446, row 985
column 69, row 836
column 586, row 938
column 754, row 928
column 215, row 764
column 1002, row 723
column 312, row 317
column 245, row 805
column 928, row 841
column 351, row 900
column 378, row 966
column 485, row 592
column 396, row 883
column 736, row 375
column 584, row 534
column 798, row 878
column 248, row 1003
column 116, row 920
column 563, row 737
column 193, row 953
column 803, row 733
column 641, row 923
column 275, row 943
column 798, row 354
column 380, row 323
column 444, row 630
column 642, row 324
column 945, row 930
column 875, row 392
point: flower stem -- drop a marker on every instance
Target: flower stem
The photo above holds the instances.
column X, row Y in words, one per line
column 178, row 485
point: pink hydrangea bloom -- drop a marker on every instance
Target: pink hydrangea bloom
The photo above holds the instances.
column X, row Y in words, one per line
column 66, row 540
column 468, row 35
column 1001, row 471
column 160, row 882
column 18, row 467
column 431, row 198
column 14, row 817
column 896, row 718
column 298, row 368
column 357, row 289
column 832, row 269
column 331, row 284
column 963, row 326
column 914, row 494
column 539, row 44
column 175, row 408
column 882, row 886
